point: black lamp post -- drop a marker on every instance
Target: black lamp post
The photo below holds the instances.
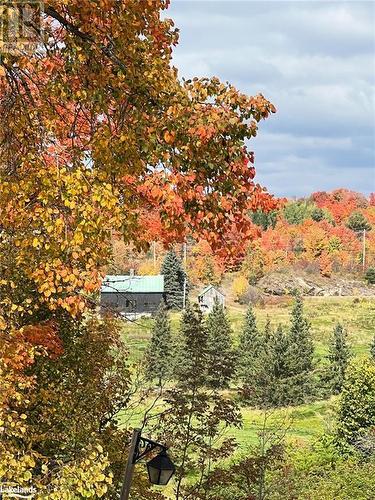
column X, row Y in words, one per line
column 160, row 468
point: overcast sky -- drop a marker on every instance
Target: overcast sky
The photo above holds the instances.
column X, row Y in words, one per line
column 315, row 61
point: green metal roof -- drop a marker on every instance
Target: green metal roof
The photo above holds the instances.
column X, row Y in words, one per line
column 133, row 284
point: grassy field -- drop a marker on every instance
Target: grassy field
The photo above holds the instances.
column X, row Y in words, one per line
column 307, row 421
column 356, row 314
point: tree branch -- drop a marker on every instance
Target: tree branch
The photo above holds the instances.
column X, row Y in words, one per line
column 69, row 26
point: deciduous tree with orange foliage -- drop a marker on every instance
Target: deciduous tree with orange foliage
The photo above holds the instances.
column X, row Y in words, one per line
column 97, row 131
column 324, row 230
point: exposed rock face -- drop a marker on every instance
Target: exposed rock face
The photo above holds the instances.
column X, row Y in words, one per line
column 285, row 284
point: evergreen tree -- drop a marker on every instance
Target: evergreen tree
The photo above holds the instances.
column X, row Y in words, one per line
column 192, row 355
column 194, row 417
column 269, row 383
column 264, row 219
column 276, row 367
column 301, row 349
column 358, row 222
column 338, row 357
column 370, row 276
column 279, row 349
column 274, row 385
column 317, row 214
column 300, row 355
column 159, row 352
column 174, row 280
column 250, row 343
column 219, row 348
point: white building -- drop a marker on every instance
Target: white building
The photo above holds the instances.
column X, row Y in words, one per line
column 206, row 299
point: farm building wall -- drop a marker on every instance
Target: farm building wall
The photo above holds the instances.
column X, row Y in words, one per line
column 207, row 300
column 131, row 302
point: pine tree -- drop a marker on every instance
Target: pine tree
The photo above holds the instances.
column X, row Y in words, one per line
column 300, row 354
column 159, row 352
column 338, row 357
column 192, row 355
column 250, row 343
column 174, row 280
column 358, row 222
column 280, row 343
column 219, row 349
column 276, row 368
column 301, row 344
column 276, row 365
column 194, row 417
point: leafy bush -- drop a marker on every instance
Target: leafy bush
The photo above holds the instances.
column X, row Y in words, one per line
column 356, row 413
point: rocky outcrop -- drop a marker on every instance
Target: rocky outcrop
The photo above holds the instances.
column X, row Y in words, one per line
column 285, row 284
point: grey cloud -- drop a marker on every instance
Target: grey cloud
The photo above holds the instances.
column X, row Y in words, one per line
column 315, row 62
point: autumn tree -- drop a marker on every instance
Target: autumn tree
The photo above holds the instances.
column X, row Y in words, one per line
column 159, row 351
column 98, row 138
column 240, row 288
column 203, row 265
column 221, row 360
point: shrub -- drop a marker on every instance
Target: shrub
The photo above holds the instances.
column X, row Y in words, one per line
column 370, row 276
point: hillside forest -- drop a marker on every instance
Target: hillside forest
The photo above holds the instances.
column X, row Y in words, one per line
column 327, row 234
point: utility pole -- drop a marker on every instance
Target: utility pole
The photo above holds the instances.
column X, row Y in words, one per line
column 185, row 253
column 154, row 252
